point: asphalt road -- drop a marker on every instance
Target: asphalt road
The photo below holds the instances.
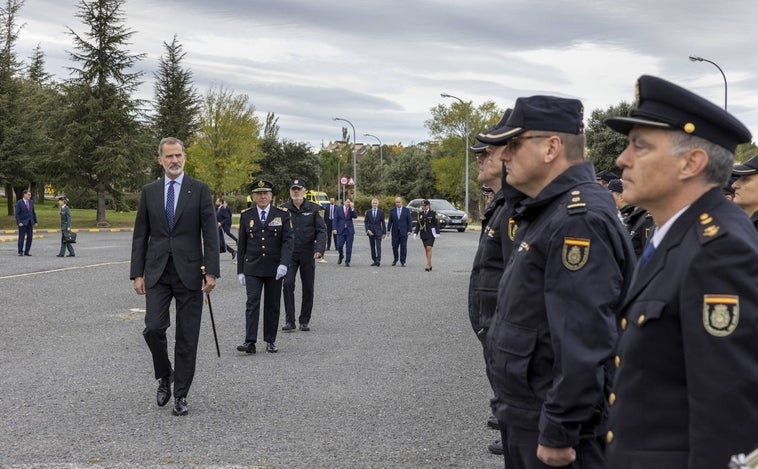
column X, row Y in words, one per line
column 390, row 376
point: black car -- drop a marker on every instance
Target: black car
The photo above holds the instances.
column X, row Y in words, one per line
column 448, row 216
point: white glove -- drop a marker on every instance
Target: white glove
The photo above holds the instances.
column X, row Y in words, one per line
column 434, row 233
column 414, row 235
column 241, row 277
column 281, row 271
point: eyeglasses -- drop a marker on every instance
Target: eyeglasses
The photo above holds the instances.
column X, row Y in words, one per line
column 514, row 144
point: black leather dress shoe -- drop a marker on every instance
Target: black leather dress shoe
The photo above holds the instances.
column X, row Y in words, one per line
column 394, row 262
column 339, row 261
column 496, row 447
column 71, row 255
column 27, row 254
column 289, row 327
column 180, row 406
column 59, row 255
column 347, row 264
column 234, row 254
column 304, row 326
column 271, row 347
column 164, row 390
column 247, row 347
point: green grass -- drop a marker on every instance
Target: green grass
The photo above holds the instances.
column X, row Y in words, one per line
column 49, row 218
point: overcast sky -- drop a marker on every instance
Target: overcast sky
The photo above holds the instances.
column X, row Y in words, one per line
column 383, row 64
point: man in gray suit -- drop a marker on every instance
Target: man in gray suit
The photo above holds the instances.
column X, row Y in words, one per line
column 175, row 235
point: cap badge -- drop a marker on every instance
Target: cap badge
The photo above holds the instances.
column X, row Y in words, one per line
column 689, row 127
column 721, row 314
column 261, row 183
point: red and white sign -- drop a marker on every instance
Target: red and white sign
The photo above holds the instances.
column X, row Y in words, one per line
column 351, row 182
column 343, row 180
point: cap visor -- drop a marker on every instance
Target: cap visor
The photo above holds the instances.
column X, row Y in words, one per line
column 500, row 136
column 624, row 124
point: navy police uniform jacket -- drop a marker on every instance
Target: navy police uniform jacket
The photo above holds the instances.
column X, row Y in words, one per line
column 261, row 249
column 426, row 222
column 640, row 225
column 551, row 342
column 309, row 227
column 686, row 388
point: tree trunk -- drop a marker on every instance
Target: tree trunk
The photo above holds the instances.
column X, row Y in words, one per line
column 9, row 199
column 101, row 221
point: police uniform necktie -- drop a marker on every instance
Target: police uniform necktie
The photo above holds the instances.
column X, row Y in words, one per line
column 170, row 205
column 263, row 217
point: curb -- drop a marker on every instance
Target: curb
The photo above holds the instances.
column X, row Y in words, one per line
column 7, row 236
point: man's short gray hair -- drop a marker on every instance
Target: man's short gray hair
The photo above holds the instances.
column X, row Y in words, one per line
column 720, row 160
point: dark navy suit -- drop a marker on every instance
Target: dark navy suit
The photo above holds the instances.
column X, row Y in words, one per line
column 377, row 226
column 343, row 225
column 399, row 227
column 25, row 219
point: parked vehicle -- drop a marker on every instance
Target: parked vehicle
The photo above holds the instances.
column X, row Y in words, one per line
column 318, row 198
column 448, row 216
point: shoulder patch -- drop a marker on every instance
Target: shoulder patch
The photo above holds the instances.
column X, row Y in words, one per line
column 283, row 209
column 576, row 205
column 721, row 314
column 246, row 210
column 709, row 228
column 576, row 252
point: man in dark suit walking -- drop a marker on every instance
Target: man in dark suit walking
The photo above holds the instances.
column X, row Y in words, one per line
column 175, row 235
column 345, row 230
column 26, row 219
column 399, row 227
column 224, row 221
column 376, row 230
column 329, row 220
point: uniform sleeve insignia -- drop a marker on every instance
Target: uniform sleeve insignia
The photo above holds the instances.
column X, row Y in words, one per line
column 283, row 209
column 721, row 314
column 512, row 228
column 709, row 228
column 576, row 252
column 276, row 222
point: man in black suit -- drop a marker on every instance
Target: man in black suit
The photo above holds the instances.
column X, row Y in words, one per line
column 684, row 394
column 175, row 234
column 266, row 241
column 399, row 227
column 376, row 230
column 344, row 229
column 329, row 220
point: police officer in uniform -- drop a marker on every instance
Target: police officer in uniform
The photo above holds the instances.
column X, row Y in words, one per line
column 550, row 343
column 684, row 395
column 265, row 245
column 746, row 188
column 636, row 219
column 310, row 240
column 428, row 227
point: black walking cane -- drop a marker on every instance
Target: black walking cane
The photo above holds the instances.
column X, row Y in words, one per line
column 210, row 310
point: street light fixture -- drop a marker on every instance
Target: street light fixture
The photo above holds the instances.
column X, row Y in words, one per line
column 468, row 116
column 380, row 147
column 355, row 173
column 694, row 58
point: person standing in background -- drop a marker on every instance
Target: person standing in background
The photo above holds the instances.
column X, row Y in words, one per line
column 328, row 220
column 224, row 221
column 399, row 227
column 345, row 230
column 26, row 219
column 65, row 227
column 376, row 230
column 175, row 235
column 746, row 188
column 428, row 228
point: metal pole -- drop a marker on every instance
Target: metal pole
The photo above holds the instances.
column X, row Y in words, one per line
column 355, row 173
column 694, row 58
column 380, row 147
column 468, row 117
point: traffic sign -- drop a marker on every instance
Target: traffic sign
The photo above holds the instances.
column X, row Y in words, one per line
column 351, row 182
column 343, row 180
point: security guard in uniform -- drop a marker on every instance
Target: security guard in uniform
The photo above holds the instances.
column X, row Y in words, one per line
column 265, row 245
column 746, row 188
column 636, row 219
column 685, row 394
column 551, row 341
column 310, row 240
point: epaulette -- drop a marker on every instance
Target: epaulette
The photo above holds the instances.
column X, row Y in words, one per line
column 283, row 209
column 247, row 209
column 576, row 205
column 709, row 228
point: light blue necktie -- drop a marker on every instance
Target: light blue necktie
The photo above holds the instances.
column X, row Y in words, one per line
column 170, row 205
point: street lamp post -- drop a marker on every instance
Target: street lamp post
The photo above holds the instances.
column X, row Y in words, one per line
column 694, row 58
column 445, row 95
column 355, row 173
column 380, row 147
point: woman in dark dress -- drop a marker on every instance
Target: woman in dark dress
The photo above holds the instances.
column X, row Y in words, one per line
column 428, row 228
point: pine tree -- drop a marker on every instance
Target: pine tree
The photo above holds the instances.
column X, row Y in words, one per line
column 102, row 139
